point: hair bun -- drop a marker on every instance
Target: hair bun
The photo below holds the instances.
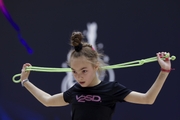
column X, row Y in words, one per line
column 76, row 38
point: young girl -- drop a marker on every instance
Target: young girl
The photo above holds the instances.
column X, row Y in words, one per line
column 91, row 98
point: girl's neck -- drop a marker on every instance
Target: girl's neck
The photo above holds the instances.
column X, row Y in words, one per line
column 95, row 82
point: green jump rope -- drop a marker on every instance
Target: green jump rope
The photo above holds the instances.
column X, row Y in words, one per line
column 121, row 65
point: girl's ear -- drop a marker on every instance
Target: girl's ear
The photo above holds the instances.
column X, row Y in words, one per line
column 97, row 66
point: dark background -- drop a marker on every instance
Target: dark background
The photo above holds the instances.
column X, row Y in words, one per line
column 128, row 29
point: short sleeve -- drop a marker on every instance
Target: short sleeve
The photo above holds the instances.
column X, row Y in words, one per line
column 120, row 92
column 68, row 95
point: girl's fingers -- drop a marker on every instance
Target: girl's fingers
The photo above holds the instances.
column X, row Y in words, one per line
column 159, row 55
column 165, row 55
column 28, row 64
column 165, row 62
column 24, row 67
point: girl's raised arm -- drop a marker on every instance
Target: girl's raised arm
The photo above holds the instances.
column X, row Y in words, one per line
column 45, row 98
column 150, row 96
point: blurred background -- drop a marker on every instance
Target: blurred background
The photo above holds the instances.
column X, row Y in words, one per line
column 124, row 30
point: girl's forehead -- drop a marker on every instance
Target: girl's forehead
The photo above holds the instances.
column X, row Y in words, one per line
column 79, row 62
column 79, row 59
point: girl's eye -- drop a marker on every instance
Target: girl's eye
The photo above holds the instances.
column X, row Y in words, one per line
column 84, row 71
column 74, row 72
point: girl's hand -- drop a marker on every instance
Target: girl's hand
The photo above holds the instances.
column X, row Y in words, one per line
column 164, row 64
column 24, row 73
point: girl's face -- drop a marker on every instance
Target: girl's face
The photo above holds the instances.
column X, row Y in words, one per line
column 84, row 72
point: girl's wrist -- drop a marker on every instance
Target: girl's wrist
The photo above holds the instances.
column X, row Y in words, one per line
column 24, row 81
column 166, row 70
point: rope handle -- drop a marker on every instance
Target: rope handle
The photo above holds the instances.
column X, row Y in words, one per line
column 121, row 65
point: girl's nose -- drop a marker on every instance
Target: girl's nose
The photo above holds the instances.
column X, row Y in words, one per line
column 79, row 76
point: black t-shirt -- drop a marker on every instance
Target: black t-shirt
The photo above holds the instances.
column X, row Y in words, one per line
column 97, row 102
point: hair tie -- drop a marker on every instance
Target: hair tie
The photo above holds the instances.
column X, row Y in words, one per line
column 78, row 48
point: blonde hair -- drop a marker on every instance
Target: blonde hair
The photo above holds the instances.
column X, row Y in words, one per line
column 84, row 49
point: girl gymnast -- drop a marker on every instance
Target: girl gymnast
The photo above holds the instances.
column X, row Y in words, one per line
column 91, row 98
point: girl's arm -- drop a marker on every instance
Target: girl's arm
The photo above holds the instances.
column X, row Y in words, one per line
column 150, row 96
column 45, row 98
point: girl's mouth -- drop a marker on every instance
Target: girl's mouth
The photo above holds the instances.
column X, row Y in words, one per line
column 81, row 83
